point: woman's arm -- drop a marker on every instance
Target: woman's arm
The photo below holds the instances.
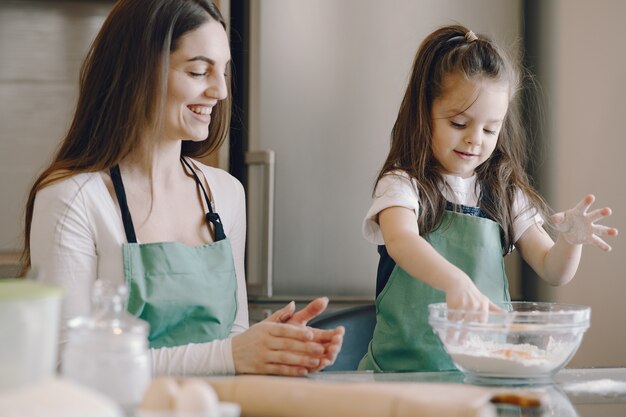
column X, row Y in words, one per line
column 74, row 229
column 63, row 250
column 237, row 235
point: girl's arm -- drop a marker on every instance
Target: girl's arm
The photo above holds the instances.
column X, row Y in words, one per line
column 557, row 262
column 417, row 257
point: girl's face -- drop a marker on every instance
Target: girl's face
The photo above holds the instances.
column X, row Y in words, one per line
column 196, row 81
column 466, row 121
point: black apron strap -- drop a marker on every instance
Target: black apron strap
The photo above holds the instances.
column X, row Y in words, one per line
column 118, row 185
column 211, row 217
column 385, row 267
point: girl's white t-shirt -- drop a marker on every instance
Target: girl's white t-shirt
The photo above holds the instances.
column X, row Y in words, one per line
column 77, row 235
column 397, row 189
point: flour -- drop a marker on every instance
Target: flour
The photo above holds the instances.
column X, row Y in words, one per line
column 601, row 386
column 506, row 359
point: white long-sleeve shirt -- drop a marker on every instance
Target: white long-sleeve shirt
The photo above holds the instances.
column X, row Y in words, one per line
column 77, row 235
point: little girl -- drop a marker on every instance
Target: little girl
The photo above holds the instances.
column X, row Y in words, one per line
column 452, row 198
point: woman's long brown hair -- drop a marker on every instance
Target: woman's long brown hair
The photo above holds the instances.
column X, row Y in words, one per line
column 123, row 83
column 444, row 52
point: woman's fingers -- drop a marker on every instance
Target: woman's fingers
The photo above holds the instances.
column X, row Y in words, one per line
column 324, row 344
column 332, row 347
column 282, row 315
column 282, row 344
column 332, row 351
column 326, row 335
column 291, row 358
column 283, row 370
column 281, row 349
column 289, row 331
column 312, row 310
column 286, row 344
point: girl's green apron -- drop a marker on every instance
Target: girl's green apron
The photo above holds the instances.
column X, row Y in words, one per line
column 403, row 340
column 188, row 294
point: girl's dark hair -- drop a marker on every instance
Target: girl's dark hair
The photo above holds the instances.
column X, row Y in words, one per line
column 122, row 89
column 448, row 51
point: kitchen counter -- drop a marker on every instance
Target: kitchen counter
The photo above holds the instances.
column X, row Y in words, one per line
column 593, row 392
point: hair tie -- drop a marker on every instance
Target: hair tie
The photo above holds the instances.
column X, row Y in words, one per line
column 470, row 36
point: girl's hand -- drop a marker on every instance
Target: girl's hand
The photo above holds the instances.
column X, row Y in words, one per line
column 466, row 297
column 578, row 226
column 331, row 339
column 276, row 349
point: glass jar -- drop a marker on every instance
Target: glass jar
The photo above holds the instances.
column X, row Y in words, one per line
column 108, row 350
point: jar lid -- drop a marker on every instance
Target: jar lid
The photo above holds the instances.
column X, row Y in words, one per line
column 26, row 289
column 108, row 313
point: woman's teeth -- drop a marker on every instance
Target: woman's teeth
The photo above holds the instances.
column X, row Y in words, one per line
column 200, row 110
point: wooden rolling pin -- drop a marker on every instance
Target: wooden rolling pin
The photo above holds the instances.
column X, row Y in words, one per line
column 266, row 396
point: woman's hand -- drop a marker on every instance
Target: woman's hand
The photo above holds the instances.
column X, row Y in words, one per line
column 277, row 349
column 282, row 344
column 330, row 339
column 578, row 226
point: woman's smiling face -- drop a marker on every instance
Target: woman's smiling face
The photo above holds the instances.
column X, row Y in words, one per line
column 196, row 81
column 466, row 121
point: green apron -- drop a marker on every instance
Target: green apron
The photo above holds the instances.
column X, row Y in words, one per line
column 403, row 340
column 188, row 294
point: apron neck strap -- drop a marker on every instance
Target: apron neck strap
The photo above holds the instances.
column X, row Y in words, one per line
column 198, row 182
column 211, row 217
column 118, row 185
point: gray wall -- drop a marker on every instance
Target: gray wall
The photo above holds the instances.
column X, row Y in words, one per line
column 327, row 80
column 41, row 47
column 587, row 96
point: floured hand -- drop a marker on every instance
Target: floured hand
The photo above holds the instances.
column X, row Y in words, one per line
column 578, row 226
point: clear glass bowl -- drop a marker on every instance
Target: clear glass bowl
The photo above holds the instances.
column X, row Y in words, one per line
column 528, row 342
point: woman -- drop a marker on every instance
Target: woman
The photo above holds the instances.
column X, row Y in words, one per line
column 123, row 200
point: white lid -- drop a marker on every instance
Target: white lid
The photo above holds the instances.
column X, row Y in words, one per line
column 26, row 289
